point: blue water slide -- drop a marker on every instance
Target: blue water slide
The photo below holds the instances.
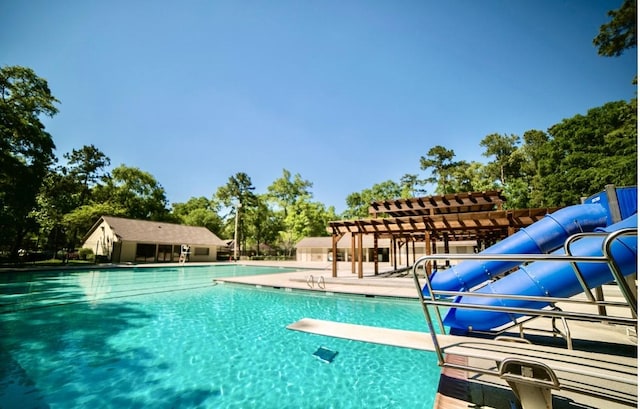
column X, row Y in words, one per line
column 543, row 236
column 553, row 278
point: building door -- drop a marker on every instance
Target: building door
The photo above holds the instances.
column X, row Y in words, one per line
column 117, row 249
column 164, row 252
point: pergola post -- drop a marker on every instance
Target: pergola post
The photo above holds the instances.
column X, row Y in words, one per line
column 427, row 250
column 434, row 250
column 375, row 254
column 360, row 254
column 353, row 254
column 395, row 259
column 406, row 250
column 413, row 249
column 334, row 253
column 445, row 237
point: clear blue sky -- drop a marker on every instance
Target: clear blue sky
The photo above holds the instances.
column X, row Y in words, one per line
column 346, row 93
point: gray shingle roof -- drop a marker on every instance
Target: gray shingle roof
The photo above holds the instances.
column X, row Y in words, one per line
column 159, row 232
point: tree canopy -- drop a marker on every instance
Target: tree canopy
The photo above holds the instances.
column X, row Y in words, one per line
column 238, row 195
column 136, row 192
column 26, row 150
column 200, row 211
column 621, row 33
column 294, row 213
column 440, row 160
column 587, row 152
column 285, row 192
column 359, row 202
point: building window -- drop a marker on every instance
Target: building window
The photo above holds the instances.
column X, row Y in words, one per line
column 201, row 251
column 145, row 252
column 383, row 254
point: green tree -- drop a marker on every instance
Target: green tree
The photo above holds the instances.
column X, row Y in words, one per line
column 509, row 167
column 621, row 33
column 412, row 186
column 619, row 159
column 263, row 224
column 127, row 192
column 56, row 198
column 532, row 151
column 64, row 189
column 199, row 211
column 358, row 202
column 587, row 152
column 86, row 167
column 285, row 192
column 135, row 191
column 296, row 214
column 84, row 217
column 518, row 194
column 357, row 205
column 26, row 150
column 440, row 160
column 471, row 177
column 309, row 219
column 506, row 163
column 239, row 188
column 238, row 195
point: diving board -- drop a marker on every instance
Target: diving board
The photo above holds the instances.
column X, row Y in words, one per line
column 365, row 333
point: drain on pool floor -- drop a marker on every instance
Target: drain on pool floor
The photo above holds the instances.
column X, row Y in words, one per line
column 325, row 354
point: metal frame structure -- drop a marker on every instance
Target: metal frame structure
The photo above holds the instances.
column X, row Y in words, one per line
column 436, row 301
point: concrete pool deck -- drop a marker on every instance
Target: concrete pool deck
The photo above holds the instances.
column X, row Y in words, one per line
column 318, row 277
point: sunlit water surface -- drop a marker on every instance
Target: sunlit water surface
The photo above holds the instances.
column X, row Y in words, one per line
column 172, row 338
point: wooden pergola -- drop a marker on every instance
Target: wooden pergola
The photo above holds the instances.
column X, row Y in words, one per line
column 475, row 216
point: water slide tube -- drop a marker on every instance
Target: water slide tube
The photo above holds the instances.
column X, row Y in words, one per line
column 544, row 236
column 553, row 278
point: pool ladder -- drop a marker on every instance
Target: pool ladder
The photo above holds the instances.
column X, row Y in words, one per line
column 311, row 282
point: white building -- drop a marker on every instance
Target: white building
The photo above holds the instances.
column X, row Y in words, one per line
column 122, row 240
column 318, row 249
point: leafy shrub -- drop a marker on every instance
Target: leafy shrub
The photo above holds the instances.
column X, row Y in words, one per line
column 85, row 254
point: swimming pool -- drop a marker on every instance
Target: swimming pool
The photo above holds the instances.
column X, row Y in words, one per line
column 171, row 338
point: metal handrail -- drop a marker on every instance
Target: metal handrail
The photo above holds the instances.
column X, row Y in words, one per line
column 435, row 297
column 615, row 269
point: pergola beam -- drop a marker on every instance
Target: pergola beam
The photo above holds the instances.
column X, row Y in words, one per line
column 462, row 216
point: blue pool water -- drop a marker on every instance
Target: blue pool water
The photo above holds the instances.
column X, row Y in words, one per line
column 172, row 338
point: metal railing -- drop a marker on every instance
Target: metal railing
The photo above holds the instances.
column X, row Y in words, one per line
column 435, row 301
